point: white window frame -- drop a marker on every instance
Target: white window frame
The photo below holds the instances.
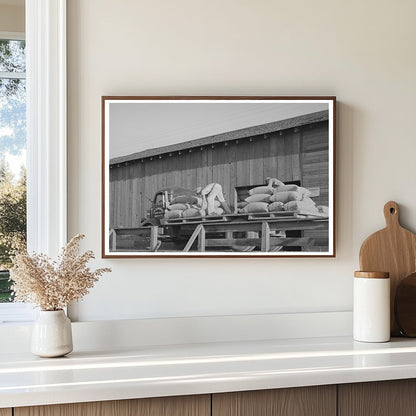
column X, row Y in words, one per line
column 46, row 125
column 12, row 35
column 46, row 134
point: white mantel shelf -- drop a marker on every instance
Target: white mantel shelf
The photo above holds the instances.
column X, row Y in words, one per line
column 148, row 371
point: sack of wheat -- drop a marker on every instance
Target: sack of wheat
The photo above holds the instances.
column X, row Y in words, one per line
column 255, row 207
column 258, row 198
column 276, row 206
column 293, row 188
column 286, row 196
column 178, row 207
column 261, row 190
column 177, row 213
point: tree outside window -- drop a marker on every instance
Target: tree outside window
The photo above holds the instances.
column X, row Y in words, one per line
column 12, row 156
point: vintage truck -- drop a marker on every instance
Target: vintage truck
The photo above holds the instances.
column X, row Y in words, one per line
column 160, row 204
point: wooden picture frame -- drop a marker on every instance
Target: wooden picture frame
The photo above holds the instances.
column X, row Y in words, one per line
column 200, row 176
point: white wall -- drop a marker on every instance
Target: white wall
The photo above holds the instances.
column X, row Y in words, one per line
column 12, row 17
column 361, row 51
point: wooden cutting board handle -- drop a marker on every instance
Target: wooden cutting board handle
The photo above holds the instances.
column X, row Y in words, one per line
column 391, row 214
column 393, row 250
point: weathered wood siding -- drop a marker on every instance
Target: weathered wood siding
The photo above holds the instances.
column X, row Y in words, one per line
column 315, row 168
column 299, row 154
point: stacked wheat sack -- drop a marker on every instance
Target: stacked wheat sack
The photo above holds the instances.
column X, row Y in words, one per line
column 280, row 198
column 188, row 206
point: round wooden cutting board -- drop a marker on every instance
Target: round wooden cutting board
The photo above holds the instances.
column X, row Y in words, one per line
column 405, row 306
column 392, row 250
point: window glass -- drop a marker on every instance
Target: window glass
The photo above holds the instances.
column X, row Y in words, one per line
column 12, row 156
column 12, row 55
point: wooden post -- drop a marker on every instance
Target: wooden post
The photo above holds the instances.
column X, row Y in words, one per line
column 154, row 232
column 201, row 239
column 113, row 240
column 193, row 237
column 265, row 236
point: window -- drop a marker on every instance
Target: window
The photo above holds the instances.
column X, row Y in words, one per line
column 46, row 135
column 12, row 155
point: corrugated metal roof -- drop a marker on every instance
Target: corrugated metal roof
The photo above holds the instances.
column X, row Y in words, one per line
column 227, row 136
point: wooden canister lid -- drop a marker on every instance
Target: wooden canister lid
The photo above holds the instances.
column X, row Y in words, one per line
column 372, row 275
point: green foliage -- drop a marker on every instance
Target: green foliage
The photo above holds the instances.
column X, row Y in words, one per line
column 12, row 98
column 6, row 294
column 12, row 214
column 12, row 55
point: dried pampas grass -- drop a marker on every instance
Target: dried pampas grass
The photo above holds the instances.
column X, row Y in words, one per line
column 53, row 285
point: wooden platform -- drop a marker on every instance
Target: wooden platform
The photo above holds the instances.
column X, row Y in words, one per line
column 242, row 216
column 264, row 231
column 285, row 214
column 192, row 220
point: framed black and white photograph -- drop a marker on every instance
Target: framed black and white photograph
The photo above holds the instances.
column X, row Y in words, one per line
column 218, row 176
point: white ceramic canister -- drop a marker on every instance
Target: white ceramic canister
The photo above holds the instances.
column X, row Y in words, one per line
column 371, row 309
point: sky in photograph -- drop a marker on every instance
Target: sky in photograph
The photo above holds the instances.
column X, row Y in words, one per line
column 135, row 126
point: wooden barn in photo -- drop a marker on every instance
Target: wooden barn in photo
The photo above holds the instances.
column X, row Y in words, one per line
column 292, row 150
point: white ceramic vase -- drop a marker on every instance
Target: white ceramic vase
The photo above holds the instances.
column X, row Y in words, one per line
column 52, row 334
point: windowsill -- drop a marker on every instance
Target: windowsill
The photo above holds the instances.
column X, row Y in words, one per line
column 151, row 371
column 132, row 333
column 16, row 313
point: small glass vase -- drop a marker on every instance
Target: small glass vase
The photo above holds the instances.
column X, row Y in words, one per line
column 52, row 334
